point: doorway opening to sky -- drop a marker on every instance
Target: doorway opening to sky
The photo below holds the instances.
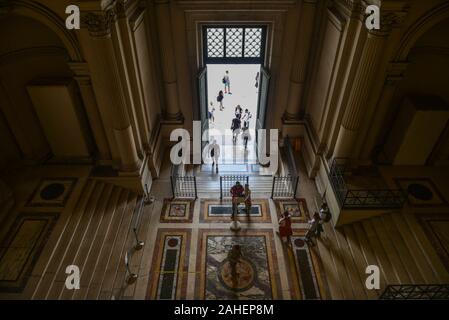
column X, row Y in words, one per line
column 244, row 92
column 232, row 97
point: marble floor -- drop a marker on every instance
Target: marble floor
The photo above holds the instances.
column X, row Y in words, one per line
column 64, row 216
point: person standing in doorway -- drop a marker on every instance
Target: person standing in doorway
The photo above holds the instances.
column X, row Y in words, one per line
column 214, row 150
column 220, row 98
column 227, row 83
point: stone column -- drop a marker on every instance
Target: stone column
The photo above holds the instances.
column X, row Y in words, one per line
column 82, row 77
column 168, row 62
column 137, row 97
column 369, row 63
column 378, row 121
column 298, row 71
column 111, row 91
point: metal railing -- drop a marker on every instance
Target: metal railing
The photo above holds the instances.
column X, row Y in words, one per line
column 184, row 187
column 290, row 156
column 362, row 198
column 131, row 277
column 284, row 187
column 416, row 292
column 227, row 181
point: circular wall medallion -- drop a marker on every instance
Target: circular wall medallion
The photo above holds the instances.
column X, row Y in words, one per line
column 245, row 275
column 420, row 192
column 52, row 191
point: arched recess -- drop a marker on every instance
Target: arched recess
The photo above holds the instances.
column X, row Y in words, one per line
column 419, row 28
column 50, row 19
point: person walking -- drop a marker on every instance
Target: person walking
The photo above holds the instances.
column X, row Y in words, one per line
column 285, row 227
column 245, row 136
column 211, row 112
column 227, row 83
column 247, row 195
column 220, row 98
column 246, row 117
column 235, row 127
column 238, row 111
column 314, row 230
column 214, row 150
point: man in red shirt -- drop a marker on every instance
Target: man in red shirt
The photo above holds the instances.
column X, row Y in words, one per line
column 237, row 193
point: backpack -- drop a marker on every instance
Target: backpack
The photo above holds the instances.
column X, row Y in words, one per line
column 223, row 80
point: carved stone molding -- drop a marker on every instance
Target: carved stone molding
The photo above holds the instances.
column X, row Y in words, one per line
column 99, row 22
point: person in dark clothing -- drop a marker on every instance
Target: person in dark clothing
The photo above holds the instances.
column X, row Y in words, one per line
column 220, row 98
column 235, row 127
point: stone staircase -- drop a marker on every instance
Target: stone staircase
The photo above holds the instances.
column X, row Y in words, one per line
column 395, row 242
column 94, row 237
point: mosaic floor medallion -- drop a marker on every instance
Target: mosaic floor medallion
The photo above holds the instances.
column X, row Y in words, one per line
column 422, row 192
column 177, row 211
column 168, row 276
column 256, row 272
column 52, row 192
column 215, row 211
column 297, row 208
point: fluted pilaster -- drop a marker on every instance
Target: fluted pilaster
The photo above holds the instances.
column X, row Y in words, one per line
column 298, row 71
column 110, row 85
column 364, row 77
column 168, row 62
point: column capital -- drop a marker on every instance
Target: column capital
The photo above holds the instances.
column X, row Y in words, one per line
column 99, row 22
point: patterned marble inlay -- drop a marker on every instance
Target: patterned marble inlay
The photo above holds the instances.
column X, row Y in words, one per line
column 297, row 208
column 216, row 211
column 177, row 211
column 256, row 275
column 22, row 247
column 168, row 276
column 304, row 269
column 52, row 192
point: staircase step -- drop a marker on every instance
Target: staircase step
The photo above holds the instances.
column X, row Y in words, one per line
column 65, row 232
column 117, row 253
column 97, row 241
column 105, row 255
